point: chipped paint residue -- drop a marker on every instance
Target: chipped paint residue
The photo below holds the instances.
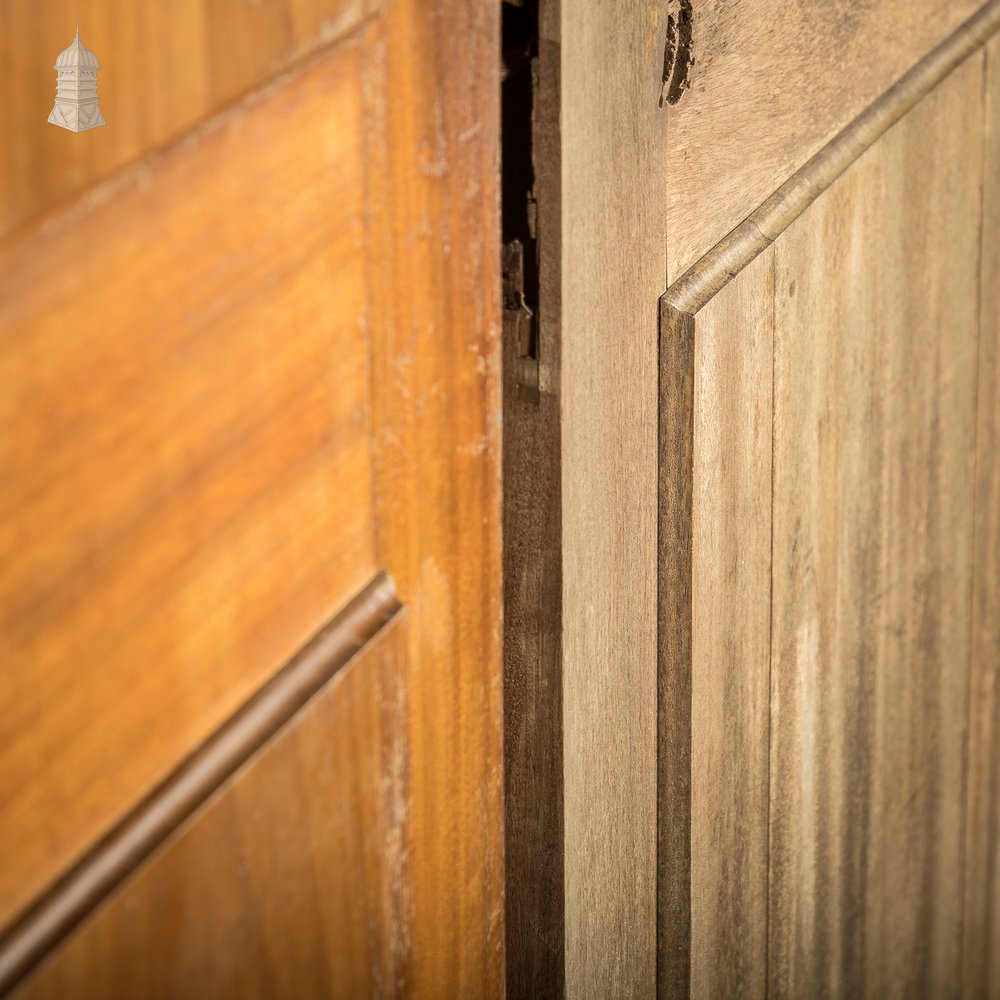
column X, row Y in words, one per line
column 677, row 52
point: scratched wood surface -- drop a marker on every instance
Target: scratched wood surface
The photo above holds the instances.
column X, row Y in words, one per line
column 874, row 427
column 291, row 882
column 365, row 306
column 433, row 250
column 982, row 877
column 612, row 276
column 770, row 83
column 877, row 497
column 170, row 455
column 165, row 65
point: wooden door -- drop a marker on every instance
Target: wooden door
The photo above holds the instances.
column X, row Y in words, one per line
column 249, row 503
column 768, row 386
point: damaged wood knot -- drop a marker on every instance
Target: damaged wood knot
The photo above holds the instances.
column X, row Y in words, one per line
column 677, row 58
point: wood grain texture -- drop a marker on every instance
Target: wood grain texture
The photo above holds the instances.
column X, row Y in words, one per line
column 874, row 441
column 783, row 206
column 165, row 66
column 433, row 246
column 982, row 876
column 532, row 513
column 292, row 882
column 674, row 626
column 613, row 268
column 184, row 484
column 212, row 764
column 715, row 641
column 770, row 84
column 404, row 339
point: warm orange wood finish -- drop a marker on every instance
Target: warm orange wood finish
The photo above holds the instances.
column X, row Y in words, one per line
column 183, row 411
column 102, row 870
column 434, row 319
column 292, row 883
column 166, row 64
column 247, row 376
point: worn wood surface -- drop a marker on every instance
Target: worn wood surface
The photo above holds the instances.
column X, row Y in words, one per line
column 165, row 65
column 982, row 876
column 183, row 499
column 771, row 82
column 874, row 428
column 292, row 882
column 713, row 395
column 879, row 498
column 715, row 467
column 387, row 279
column 433, row 253
column 782, row 207
column 612, row 275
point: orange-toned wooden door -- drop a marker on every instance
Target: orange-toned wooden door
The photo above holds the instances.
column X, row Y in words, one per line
column 249, row 532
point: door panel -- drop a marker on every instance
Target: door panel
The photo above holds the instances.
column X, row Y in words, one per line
column 166, row 65
column 818, row 582
column 292, row 881
column 982, row 884
column 177, row 440
column 874, row 424
column 756, row 109
column 245, row 381
column 769, row 83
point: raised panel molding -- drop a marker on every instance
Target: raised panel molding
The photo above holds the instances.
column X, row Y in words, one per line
column 203, row 775
column 818, row 443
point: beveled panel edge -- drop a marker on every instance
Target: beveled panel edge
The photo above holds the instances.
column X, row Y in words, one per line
column 150, row 823
column 675, row 633
column 693, row 289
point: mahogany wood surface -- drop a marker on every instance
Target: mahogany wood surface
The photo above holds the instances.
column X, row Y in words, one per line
column 291, row 883
column 165, row 66
column 185, row 467
column 262, row 367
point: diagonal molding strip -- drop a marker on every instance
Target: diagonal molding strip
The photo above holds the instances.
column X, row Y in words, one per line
column 99, row 872
column 693, row 289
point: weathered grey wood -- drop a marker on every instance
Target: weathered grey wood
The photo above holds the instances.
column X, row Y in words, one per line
column 715, row 553
column 771, row 82
column 982, row 877
column 874, row 430
column 613, row 271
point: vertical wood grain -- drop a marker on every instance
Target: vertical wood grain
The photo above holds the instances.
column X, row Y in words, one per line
column 715, row 636
column 613, row 271
column 674, row 628
column 533, row 552
column 874, row 422
column 730, row 649
column 433, row 247
column 982, row 873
